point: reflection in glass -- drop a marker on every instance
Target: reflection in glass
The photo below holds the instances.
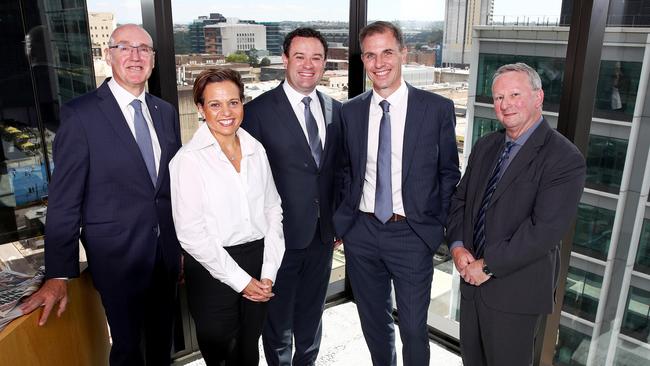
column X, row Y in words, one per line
column 49, row 63
column 605, row 162
column 483, row 126
column 582, row 293
column 642, row 262
column 636, row 321
column 572, row 347
column 593, row 231
column 616, row 92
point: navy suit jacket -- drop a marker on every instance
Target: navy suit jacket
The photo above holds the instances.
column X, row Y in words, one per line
column 529, row 213
column 101, row 185
column 429, row 162
column 307, row 192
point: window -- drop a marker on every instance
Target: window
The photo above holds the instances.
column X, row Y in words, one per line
column 593, row 231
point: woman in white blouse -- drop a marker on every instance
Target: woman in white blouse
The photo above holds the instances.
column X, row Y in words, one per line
column 228, row 219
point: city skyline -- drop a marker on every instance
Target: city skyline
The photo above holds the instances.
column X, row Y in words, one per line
column 129, row 11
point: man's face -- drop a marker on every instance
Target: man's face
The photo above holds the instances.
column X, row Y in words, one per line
column 383, row 58
column 516, row 104
column 305, row 64
column 130, row 62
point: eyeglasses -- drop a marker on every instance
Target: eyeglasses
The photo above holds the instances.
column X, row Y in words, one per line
column 126, row 49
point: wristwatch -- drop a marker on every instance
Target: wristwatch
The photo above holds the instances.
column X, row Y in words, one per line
column 486, row 270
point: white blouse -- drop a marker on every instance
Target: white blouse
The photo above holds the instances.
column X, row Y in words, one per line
column 216, row 207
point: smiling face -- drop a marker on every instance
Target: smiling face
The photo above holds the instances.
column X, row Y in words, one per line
column 305, row 64
column 131, row 68
column 222, row 109
column 516, row 104
column 383, row 58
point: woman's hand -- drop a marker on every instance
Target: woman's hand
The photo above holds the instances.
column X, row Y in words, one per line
column 258, row 291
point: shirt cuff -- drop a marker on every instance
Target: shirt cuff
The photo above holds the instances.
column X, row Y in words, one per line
column 455, row 244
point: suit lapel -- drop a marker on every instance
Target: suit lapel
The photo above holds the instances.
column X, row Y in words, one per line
column 111, row 110
column 527, row 153
column 363, row 121
column 413, row 124
column 287, row 116
column 156, row 116
column 485, row 168
column 326, row 106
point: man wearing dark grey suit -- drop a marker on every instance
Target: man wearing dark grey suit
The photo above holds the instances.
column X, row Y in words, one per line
column 514, row 204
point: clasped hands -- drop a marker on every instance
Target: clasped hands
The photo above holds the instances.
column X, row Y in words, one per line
column 259, row 291
column 471, row 270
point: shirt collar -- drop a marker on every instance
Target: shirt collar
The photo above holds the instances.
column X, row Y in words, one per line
column 521, row 140
column 294, row 96
column 203, row 138
column 122, row 96
column 396, row 98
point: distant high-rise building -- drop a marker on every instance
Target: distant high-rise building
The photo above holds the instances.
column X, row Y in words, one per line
column 273, row 38
column 197, row 36
column 101, row 25
column 227, row 38
column 460, row 17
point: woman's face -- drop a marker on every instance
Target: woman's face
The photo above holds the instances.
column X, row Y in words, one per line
column 222, row 108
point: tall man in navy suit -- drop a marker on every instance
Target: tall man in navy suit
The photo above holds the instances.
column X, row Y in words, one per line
column 400, row 172
column 111, row 181
column 516, row 201
column 300, row 130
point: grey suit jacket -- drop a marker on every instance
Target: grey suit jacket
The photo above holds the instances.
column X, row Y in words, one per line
column 529, row 213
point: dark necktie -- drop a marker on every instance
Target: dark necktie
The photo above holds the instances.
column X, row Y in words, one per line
column 315, row 144
column 143, row 138
column 383, row 190
column 479, row 226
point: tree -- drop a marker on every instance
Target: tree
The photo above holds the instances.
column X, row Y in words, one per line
column 237, row 57
column 265, row 61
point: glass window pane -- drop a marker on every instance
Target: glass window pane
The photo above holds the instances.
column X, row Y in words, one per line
column 582, row 293
column 636, row 321
column 593, row 231
column 572, row 347
column 642, row 262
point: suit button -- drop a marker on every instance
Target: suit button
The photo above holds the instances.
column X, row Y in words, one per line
column 316, row 200
column 157, row 201
column 155, row 230
column 306, row 164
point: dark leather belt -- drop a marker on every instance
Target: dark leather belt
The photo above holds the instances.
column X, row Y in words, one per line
column 394, row 218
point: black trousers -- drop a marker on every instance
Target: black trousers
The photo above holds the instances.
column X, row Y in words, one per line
column 228, row 326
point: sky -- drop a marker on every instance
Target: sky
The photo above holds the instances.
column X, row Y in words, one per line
column 184, row 11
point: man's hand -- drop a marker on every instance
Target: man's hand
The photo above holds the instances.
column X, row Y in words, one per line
column 462, row 257
column 473, row 273
column 53, row 291
column 258, row 291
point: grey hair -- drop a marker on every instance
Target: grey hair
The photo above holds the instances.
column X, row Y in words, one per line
column 111, row 39
column 533, row 76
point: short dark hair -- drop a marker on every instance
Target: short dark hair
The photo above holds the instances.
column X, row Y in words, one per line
column 305, row 32
column 210, row 76
column 382, row 27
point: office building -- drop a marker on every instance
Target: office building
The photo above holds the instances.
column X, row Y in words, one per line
column 273, row 38
column 460, row 17
column 197, row 37
column 100, row 25
column 228, row 38
column 605, row 316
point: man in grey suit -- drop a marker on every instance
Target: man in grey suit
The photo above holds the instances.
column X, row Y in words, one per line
column 512, row 207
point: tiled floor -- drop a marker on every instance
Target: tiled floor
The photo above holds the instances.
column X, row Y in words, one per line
column 343, row 343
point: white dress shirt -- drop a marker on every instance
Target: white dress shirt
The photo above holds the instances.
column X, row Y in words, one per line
column 124, row 98
column 214, row 206
column 398, row 103
column 295, row 98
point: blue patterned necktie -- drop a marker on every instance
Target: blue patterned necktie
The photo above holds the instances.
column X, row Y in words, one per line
column 479, row 226
column 383, row 190
column 315, row 144
column 143, row 138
